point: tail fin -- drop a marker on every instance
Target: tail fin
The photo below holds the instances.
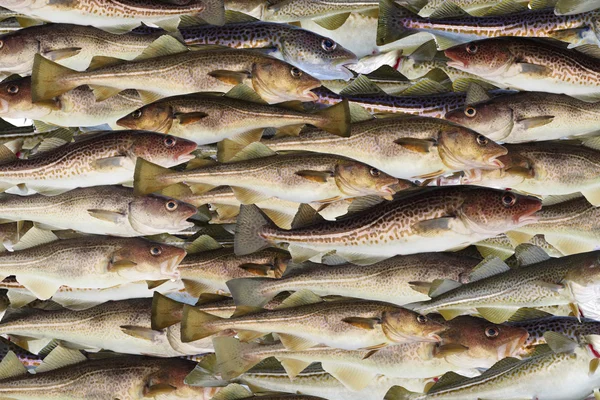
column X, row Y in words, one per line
column 48, row 79
column 398, row 393
column 249, row 291
column 389, row 26
column 231, row 361
column 247, row 239
column 165, row 311
column 196, row 324
column 146, row 177
column 233, row 392
column 336, row 119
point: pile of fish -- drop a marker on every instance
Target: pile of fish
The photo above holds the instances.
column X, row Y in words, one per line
column 300, row 199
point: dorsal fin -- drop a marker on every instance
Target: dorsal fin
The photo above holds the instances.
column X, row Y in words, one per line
column 387, row 72
column 35, row 237
column 300, row 298
column 476, row 94
column 60, row 357
column 426, row 52
column 236, row 17
column 559, row 343
column 425, row 87
column 165, row 45
column 448, row 379
column 441, row 286
column 245, row 92
column 527, row 254
column 361, row 85
column 98, row 62
column 504, row 364
column 448, row 10
column 253, row 151
column 201, row 244
column 233, row 392
column 490, row 266
column 11, row 367
column 55, row 139
column 524, row 314
column 306, row 216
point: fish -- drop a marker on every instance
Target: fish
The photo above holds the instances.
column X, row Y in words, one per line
column 9, row 25
column 529, row 117
column 29, row 360
column 396, row 22
column 398, row 280
column 210, row 118
column 302, row 178
column 38, row 262
column 303, row 320
column 318, row 55
column 411, row 147
column 423, row 221
column 67, row 374
column 168, row 68
column 122, row 17
column 477, row 8
column 104, row 158
column 75, row 108
column 479, row 344
column 540, row 281
column 529, row 65
column 238, row 392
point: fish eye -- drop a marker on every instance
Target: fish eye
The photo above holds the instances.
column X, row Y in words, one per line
column 471, row 48
column 136, row 114
column 482, row 140
column 12, row 89
column 509, row 199
column 491, row 332
column 296, row 73
column 170, row 141
column 171, row 205
column 375, row 172
column 470, row 112
column 156, row 251
column 328, row 45
column 421, row 319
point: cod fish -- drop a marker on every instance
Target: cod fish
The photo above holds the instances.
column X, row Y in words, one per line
column 68, row 375
column 408, row 147
column 304, row 178
column 540, row 281
column 209, row 118
column 238, row 392
column 104, row 158
column 398, row 280
column 530, row 65
column 303, row 320
column 168, row 68
column 477, row 8
column 503, row 247
column 424, row 221
column 468, row 343
column 119, row 17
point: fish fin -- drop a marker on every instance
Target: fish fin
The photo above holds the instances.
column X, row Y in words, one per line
column 525, row 313
column 476, row 94
column 246, row 93
column 306, row 216
column 316, row 176
column 226, row 212
column 533, row 71
column 434, row 226
column 301, row 254
column 300, row 298
column 196, row 324
column 60, row 357
column 230, row 77
column 569, row 7
column 296, row 343
column 227, row 149
column 592, row 143
column 399, row 393
column 61, row 54
column 448, row 9
column 363, row 203
column 165, row 311
column 490, row 266
column 463, row 84
column 11, row 366
column 145, row 179
column 450, row 313
column 441, row 286
column 421, row 287
column 516, row 237
column 39, row 286
column 108, row 216
column 233, row 392
column 247, row 291
column 450, row 351
column 26, row 22
column 6, row 155
column 528, row 254
column 156, row 283
column 252, row 151
column 389, row 25
column 196, row 288
column 560, row 343
column 359, row 114
column 425, row 87
column 293, row 367
column 354, row 378
column 336, row 119
column 19, row 299
column 148, row 97
column 248, row 196
column 34, row 237
column 165, row 45
column 446, row 380
column 360, row 259
column 48, row 79
column 416, row 145
column 592, row 195
column 231, row 362
column 363, row 323
column 567, row 245
column 169, row 25
column 361, row 85
column 190, row 118
column 248, row 336
column 201, row 244
column 200, row 377
column 110, row 164
column 103, row 92
column 332, row 22
column 74, row 303
column 247, row 237
column 59, row 137
column 140, row 332
column 98, row 62
column 281, row 218
column 445, row 42
column 535, row 122
column 496, row 315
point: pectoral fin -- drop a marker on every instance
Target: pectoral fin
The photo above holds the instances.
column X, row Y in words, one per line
column 364, row 323
column 190, row 118
column 110, row 164
column 433, row 227
column 535, row 122
column 108, row 216
column 416, row 145
column 315, row 176
column 159, row 389
column 296, row 343
column 230, row 77
column 140, row 332
column 533, row 71
column 61, row 54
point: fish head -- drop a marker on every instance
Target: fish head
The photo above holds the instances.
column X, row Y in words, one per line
column 463, row 149
column 491, row 212
column 140, row 259
column 15, row 97
column 481, row 340
column 277, row 81
column 17, row 50
column 357, row 179
column 483, row 58
column 167, row 380
column 164, row 150
column 405, row 326
column 585, row 271
column 155, row 117
column 319, row 55
column 494, row 120
column 154, row 214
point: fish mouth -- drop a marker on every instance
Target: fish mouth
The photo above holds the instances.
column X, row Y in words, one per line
column 169, row 267
column 528, row 217
column 511, row 347
column 455, row 62
column 185, row 158
column 4, row 106
column 494, row 161
column 310, row 96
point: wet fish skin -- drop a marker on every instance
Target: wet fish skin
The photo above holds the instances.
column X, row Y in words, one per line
column 28, row 359
column 473, row 7
column 283, row 11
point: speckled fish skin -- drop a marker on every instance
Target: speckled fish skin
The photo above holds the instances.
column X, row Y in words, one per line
column 531, row 116
column 401, row 226
column 393, row 158
column 474, row 7
column 320, row 56
column 70, row 45
column 95, row 379
column 75, row 108
column 286, row 11
column 530, row 65
column 28, row 359
column 390, row 280
column 102, row 159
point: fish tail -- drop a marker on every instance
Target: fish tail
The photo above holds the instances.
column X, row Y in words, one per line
column 196, row 324
column 399, row 393
column 146, row 177
column 48, row 79
column 336, row 119
column 390, row 26
column 165, row 311
column 247, row 291
column 231, row 360
column 247, row 238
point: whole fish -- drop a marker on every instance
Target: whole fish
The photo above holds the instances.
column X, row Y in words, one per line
column 530, row 65
column 424, row 221
column 529, row 116
column 42, row 264
column 77, row 107
column 28, row 359
column 303, row 320
column 105, row 158
column 408, row 147
column 210, row 118
column 570, row 280
column 398, row 280
column 67, row 44
column 119, row 17
column 396, row 22
column 238, row 392
column 318, row 55
column 303, row 178
column 168, row 68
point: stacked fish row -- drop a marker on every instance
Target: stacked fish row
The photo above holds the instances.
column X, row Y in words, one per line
column 300, row 199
